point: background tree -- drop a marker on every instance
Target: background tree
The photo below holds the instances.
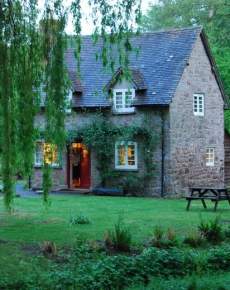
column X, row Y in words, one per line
column 213, row 15
column 33, row 57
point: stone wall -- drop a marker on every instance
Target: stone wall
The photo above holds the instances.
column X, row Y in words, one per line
column 186, row 137
column 78, row 119
column 227, row 159
column 190, row 135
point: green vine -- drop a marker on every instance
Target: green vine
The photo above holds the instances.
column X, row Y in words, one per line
column 101, row 135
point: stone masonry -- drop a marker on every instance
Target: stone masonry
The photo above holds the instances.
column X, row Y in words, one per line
column 190, row 135
column 182, row 147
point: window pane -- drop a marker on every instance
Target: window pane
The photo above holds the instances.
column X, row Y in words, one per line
column 38, row 154
column 131, row 155
column 50, row 153
column 121, row 154
column 128, row 99
column 210, row 156
column 195, row 104
column 118, row 100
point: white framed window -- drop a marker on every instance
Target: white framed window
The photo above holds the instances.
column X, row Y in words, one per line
column 38, row 158
column 46, row 153
column 122, row 100
column 210, row 156
column 198, row 104
column 126, row 155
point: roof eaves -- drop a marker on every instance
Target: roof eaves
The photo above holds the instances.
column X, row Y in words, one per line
column 213, row 65
column 198, row 32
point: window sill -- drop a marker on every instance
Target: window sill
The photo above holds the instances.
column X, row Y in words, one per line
column 53, row 167
column 127, row 169
column 124, row 113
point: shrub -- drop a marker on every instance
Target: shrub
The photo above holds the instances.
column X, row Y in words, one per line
column 200, row 263
column 219, row 258
column 171, row 238
column 118, row 272
column 227, row 233
column 119, row 238
column 79, row 220
column 211, row 231
column 194, row 239
column 162, row 240
column 132, row 184
column 49, row 249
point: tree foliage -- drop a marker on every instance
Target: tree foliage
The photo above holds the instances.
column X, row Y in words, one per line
column 32, row 57
column 213, row 15
column 101, row 135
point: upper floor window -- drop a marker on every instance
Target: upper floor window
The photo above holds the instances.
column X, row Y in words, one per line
column 122, row 100
column 126, row 155
column 198, row 104
column 46, row 153
column 210, row 156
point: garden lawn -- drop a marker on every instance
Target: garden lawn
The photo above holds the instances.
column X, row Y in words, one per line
column 32, row 222
column 22, row 233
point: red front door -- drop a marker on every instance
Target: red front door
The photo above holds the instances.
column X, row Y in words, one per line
column 79, row 166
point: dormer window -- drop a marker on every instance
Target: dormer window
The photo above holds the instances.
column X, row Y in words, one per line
column 122, row 100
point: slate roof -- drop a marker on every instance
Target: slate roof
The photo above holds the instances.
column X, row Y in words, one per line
column 136, row 78
column 158, row 67
column 76, row 83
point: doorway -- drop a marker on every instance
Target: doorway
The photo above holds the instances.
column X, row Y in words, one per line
column 79, row 166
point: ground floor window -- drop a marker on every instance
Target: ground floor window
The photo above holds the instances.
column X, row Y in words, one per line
column 126, row 155
column 47, row 153
column 210, row 156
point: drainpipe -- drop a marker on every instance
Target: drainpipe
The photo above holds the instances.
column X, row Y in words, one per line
column 162, row 153
column 29, row 182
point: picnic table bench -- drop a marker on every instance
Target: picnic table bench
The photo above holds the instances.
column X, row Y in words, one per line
column 207, row 193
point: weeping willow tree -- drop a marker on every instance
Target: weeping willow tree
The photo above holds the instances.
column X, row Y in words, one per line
column 19, row 77
column 32, row 56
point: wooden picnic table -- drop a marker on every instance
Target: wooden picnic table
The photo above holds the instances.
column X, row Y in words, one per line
column 207, row 193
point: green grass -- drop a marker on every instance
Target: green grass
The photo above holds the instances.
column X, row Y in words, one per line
column 31, row 222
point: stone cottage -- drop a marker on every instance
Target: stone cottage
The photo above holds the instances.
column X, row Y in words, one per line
column 175, row 84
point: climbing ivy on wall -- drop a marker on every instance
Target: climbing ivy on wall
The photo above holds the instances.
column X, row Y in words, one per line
column 101, row 134
column 32, row 54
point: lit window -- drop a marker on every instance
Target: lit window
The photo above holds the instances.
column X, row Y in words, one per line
column 198, row 104
column 50, row 154
column 126, row 155
column 210, row 156
column 123, row 99
column 46, row 153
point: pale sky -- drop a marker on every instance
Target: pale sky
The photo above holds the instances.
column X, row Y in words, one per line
column 87, row 26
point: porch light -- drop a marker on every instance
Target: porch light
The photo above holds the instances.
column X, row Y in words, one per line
column 76, row 145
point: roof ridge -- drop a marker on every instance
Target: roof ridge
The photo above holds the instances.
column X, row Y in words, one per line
column 166, row 30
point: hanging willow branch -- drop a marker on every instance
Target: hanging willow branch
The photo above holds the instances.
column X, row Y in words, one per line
column 19, row 78
column 55, row 80
column 28, row 81
column 30, row 55
column 11, row 16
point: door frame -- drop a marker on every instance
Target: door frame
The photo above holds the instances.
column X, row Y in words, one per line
column 69, row 168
